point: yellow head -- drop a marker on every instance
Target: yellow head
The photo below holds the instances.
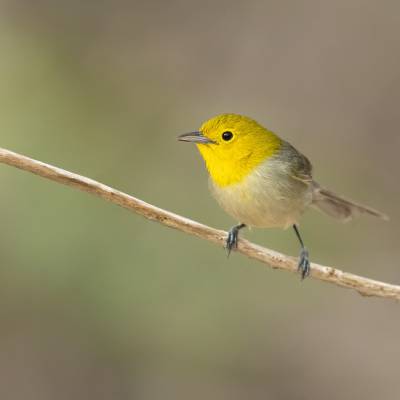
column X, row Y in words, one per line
column 232, row 146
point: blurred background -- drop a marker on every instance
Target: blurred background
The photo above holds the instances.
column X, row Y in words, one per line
column 98, row 303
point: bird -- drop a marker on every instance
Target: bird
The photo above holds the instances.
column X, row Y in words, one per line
column 262, row 181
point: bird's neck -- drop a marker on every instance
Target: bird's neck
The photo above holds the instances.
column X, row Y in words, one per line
column 233, row 168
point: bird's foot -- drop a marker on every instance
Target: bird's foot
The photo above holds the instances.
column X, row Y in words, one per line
column 232, row 239
column 304, row 263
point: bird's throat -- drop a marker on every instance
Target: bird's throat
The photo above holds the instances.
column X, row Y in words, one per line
column 234, row 167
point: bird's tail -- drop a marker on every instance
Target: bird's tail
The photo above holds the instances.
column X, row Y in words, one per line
column 340, row 208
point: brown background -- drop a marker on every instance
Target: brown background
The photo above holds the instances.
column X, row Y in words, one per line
column 96, row 303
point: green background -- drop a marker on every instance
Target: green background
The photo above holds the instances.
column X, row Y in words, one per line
column 98, row 303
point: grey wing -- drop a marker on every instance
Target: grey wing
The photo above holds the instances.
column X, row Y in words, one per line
column 300, row 167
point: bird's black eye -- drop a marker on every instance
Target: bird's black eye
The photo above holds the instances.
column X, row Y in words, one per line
column 227, row 136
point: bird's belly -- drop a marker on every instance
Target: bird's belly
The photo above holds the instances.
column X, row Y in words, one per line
column 264, row 199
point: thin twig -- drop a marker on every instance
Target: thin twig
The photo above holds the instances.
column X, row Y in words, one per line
column 364, row 286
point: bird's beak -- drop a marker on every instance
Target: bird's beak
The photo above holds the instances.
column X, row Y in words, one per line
column 195, row 137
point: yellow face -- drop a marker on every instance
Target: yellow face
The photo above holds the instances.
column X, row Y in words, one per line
column 233, row 146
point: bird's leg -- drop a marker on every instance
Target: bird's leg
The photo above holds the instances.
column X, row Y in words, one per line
column 304, row 262
column 232, row 239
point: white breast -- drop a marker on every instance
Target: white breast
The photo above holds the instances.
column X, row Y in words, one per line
column 268, row 197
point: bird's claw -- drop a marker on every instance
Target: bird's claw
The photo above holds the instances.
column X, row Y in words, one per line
column 304, row 264
column 232, row 240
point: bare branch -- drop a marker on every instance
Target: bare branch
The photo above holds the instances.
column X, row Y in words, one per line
column 364, row 286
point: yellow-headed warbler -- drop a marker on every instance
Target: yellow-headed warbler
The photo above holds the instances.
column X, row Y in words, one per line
column 263, row 181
